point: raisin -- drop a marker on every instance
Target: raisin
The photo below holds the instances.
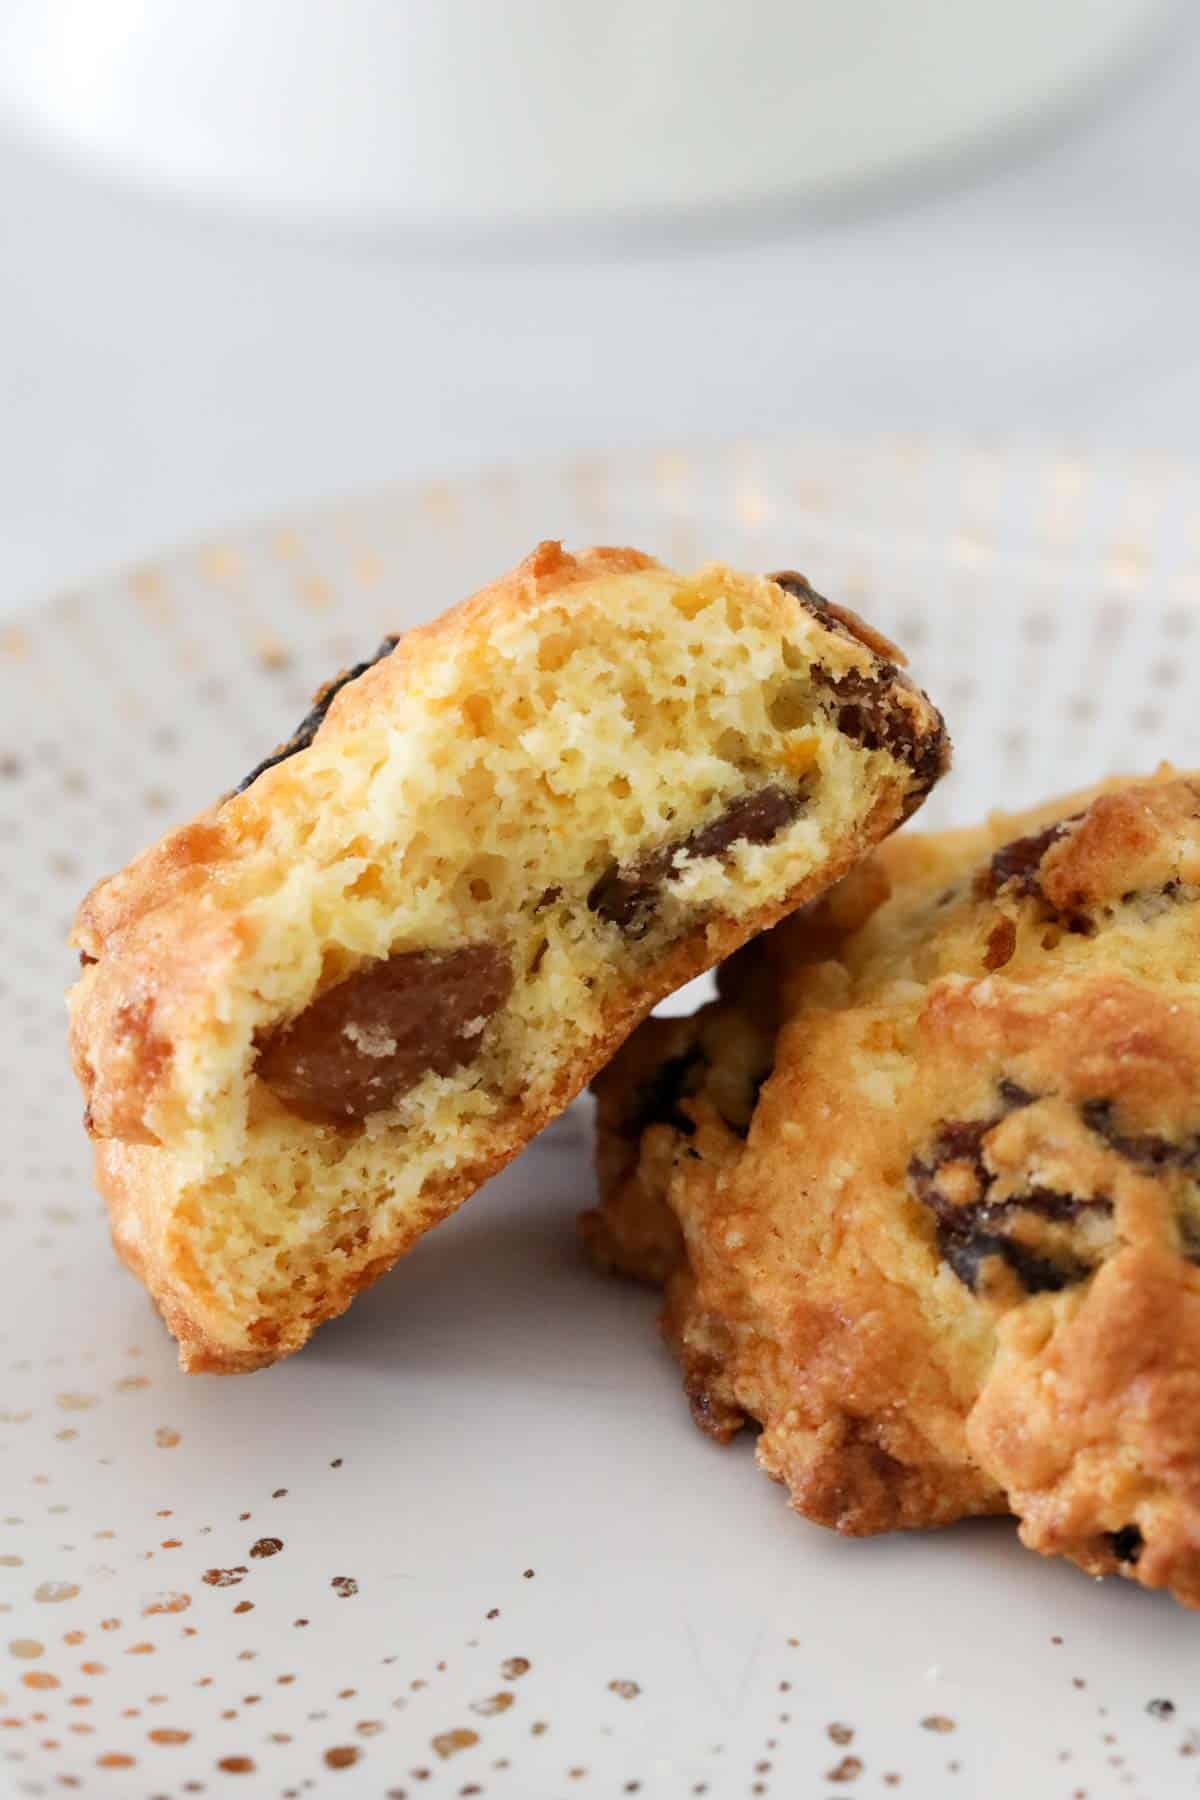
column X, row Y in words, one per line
column 966, row 1254
column 751, row 819
column 717, row 1418
column 1146, row 1150
column 839, row 619
column 868, row 710
column 1048, row 1203
column 310, row 724
column 961, row 1140
column 1189, row 1237
column 1019, row 862
column 627, row 896
column 364, row 1043
column 739, row 1127
column 928, row 766
column 968, row 1234
column 1001, row 943
column 658, row 1103
column 1127, row 1544
column 864, row 709
column 1156, row 1156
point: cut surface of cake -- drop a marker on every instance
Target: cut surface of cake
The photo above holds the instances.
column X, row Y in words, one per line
column 311, row 1021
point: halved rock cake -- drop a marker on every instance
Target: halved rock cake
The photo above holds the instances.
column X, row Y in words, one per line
column 924, row 1186
column 313, row 1020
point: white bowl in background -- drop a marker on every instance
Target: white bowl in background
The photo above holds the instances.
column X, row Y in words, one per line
column 371, row 113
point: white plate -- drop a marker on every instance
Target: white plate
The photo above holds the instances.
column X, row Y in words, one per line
column 491, row 1445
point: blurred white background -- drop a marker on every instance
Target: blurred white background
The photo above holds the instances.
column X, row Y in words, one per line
column 167, row 367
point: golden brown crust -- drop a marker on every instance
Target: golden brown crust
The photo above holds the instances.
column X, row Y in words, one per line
column 953, row 1266
column 166, row 941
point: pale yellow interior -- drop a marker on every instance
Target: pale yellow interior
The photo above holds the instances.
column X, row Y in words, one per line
column 527, row 760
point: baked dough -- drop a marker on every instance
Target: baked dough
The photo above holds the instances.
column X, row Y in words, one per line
column 313, row 1020
column 924, row 1185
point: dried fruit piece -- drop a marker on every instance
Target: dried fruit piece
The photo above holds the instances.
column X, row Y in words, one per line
column 627, row 896
column 364, row 1043
column 310, row 724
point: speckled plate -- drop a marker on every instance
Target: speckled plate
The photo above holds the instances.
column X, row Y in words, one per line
column 468, row 1542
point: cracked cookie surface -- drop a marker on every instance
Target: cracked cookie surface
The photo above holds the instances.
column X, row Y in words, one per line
column 924, row 1185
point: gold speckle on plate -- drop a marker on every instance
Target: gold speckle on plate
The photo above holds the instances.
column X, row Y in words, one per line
column 493, row 1704
column 272, row 652
column 221, row 563
column 1127, row 565
column 52, row 1592
column 441, row 502
column 751, row 505
column 166, row 1603
column 367, row 569
column 150, row 592
column 449, row 1743
column 670, row 469
column 342, row 1756
column 316, row 593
